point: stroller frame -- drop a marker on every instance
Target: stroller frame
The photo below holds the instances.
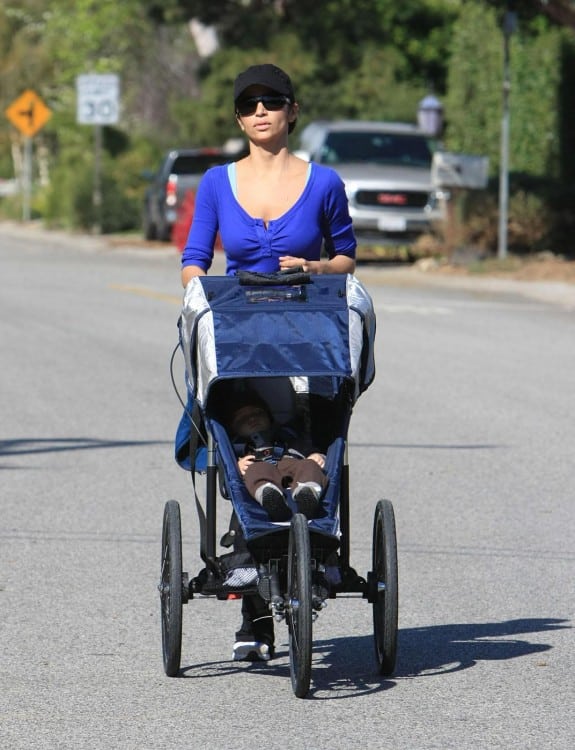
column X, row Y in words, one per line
column 301, row 563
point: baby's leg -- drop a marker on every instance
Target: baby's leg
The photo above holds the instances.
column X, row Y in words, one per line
column 260, row 473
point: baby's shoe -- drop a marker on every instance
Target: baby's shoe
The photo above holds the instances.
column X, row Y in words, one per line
column 273, row 501
column 306, row 496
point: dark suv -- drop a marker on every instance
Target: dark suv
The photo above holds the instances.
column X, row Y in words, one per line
column 180, row 171
column 386, row 168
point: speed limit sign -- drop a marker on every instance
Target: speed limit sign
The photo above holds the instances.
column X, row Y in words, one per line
column 98, row 99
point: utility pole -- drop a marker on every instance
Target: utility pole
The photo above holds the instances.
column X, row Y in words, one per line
column 509, row 26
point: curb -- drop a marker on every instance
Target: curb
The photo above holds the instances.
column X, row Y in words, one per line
column 551, row 292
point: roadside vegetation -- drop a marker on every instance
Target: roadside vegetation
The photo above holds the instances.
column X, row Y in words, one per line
column 367, row 59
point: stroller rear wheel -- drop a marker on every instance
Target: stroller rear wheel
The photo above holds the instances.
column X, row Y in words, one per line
column 385, row 588
column 299, row 605
column 171, row 589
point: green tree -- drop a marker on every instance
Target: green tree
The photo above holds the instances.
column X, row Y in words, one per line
column 535, row 104
column 379, row 88
column 334, row 31
column 474, row 99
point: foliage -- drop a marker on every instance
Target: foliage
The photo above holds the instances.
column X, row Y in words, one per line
column 72, row 196
column 534, row 105
column 335, row 31
column 566, row 115
column 475, row 85
column 473, row 101
column 540, row 216
column 528, row 221
column 378, row 89
column 369, row 59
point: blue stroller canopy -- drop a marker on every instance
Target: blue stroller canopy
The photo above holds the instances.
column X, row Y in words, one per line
column 324, row 329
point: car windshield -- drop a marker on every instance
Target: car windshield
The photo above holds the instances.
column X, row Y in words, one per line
column 396, row 149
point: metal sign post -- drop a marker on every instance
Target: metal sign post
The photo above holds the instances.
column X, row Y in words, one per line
column 98, row 103
column 509, row 26
column 97, row 187
column 27, row 180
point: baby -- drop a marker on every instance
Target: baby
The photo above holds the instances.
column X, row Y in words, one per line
column 274, row 458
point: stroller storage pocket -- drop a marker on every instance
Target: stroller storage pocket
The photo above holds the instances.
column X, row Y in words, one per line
column 238, row 570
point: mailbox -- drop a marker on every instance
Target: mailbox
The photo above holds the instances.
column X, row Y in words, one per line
column 451, row 170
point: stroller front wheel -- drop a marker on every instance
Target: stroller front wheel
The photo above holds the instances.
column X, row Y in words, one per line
column 299, row 605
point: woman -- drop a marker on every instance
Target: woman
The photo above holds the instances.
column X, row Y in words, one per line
column 273, row 211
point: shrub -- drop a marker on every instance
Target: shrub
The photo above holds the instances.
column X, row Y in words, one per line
column 528, row 225
column 69, row 202
column 118, row 212
column 540, row 217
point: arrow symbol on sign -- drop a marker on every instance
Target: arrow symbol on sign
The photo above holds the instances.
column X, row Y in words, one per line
column 29, row 113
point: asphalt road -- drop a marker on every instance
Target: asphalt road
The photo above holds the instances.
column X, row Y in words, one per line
column 468, row 429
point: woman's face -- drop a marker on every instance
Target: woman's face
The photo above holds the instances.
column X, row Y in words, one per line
column 264, row 122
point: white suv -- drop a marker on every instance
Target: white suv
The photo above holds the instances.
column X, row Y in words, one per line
column 386, row 168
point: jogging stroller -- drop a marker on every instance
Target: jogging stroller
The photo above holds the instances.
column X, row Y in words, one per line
column 308, row 342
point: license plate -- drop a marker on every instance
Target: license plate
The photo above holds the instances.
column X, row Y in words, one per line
column 391, row 224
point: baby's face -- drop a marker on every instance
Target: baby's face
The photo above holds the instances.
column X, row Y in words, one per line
column 250, row 419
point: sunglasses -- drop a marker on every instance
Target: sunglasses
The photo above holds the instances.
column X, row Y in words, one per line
column 271, row 102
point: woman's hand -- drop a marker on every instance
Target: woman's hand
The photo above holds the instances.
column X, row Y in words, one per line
column 290, row 261
column 319, row 458
column 245, row 462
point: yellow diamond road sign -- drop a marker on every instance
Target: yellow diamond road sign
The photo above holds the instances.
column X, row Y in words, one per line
column 28, row 113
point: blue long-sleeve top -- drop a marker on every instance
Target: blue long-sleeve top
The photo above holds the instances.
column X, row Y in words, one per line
column 319, row 218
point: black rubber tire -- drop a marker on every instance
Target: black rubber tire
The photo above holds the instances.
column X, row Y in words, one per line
column 385, row 595
column 299, row 605
column 171, row 595
column 150, row 231
column 164, row 232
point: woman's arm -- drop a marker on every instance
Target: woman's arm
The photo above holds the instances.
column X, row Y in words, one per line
column 188, row 273
column 199, row 250
column 337, row 264
column 337, row 229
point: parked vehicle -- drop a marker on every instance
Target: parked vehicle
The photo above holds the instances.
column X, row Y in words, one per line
column 386, row 168
column 179, row 172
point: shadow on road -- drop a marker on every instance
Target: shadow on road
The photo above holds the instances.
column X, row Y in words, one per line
column 431, row 446
column 29, row 446
column 345, row 667
column 440, row 649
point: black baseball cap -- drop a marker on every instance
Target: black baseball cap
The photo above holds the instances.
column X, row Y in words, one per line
column 268, row 75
